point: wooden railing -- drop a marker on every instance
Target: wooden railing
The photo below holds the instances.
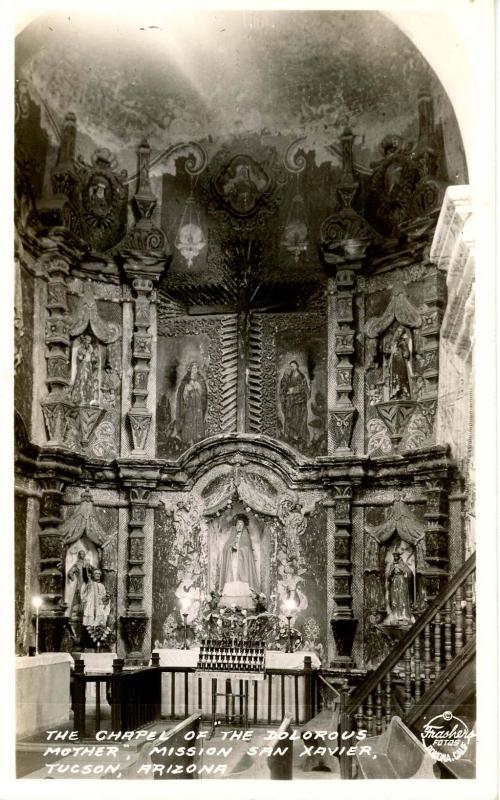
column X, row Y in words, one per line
column 408, row 672
column 134, row 697
column 266, row 700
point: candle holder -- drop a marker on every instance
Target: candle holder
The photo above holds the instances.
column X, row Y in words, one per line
column 290, row 607
column 37, row 604
column 185, row 606
column 289, row 643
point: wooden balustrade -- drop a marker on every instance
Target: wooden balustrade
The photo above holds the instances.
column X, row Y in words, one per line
column 443, row 631
column 135, row 696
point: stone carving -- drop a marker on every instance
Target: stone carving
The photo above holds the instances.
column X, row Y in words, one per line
column 404, row 185
column 242, row 184
column 96, row 193
column 245, row 184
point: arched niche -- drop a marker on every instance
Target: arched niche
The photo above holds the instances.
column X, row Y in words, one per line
column 193, row 528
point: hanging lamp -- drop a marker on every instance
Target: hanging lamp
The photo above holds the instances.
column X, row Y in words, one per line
column 295, row 233
column 190, row 239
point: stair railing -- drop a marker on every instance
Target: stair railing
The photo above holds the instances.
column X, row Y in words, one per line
column 405, row 675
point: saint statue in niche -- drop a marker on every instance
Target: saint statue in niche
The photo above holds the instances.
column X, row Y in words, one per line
column 238, row 573
column 191, row 406
column 85, row 389
column 399, row 592
column 294, row 393
column 399, row 372
column 76, row 577
column 109, row 385
column 96, row 601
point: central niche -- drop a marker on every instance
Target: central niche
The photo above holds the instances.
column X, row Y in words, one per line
column 239, row 540
column 238, row 553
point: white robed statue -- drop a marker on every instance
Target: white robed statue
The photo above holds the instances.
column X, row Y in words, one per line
column 96, row 601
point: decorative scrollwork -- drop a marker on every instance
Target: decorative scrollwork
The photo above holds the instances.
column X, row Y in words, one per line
column 294, row 158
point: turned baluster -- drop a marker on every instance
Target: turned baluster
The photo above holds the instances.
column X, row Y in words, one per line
column 468, row 608
column 437, row 644
column 407, row 674
column 416, row 650
column 427, row 657
column 447, row 632
column 360, row 718
column 388, row 698
column 459, row 621
column 369, row 715
column 378, row 709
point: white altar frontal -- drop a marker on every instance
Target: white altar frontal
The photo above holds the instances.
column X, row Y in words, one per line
column 42, row 692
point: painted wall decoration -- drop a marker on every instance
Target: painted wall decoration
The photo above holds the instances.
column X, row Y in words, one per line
column 292, row 373
column 193, row 381
column 89, row 539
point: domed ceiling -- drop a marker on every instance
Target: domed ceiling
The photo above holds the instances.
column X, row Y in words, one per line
column 217, row 75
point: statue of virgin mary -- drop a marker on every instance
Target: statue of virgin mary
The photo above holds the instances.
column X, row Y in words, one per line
column 238, row 574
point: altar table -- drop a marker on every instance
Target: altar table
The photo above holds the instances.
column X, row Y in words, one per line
column 42, row 692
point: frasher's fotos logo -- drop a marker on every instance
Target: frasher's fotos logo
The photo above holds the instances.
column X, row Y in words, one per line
column 446, row 737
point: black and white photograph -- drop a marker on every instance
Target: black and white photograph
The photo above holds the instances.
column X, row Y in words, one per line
column 252, row 304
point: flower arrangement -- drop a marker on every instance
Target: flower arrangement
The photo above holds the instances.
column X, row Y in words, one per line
column 102, row 635
column 257, row 624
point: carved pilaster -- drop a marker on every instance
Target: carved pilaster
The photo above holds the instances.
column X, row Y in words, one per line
column 134, row 622
column 54, row 407
column 50, row 576
column 139, row 416
column 343, row 413
column 436, row 536
column 343, row 623
column 435, row 296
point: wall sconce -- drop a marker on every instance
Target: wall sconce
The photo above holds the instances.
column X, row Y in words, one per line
column 37, row 603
